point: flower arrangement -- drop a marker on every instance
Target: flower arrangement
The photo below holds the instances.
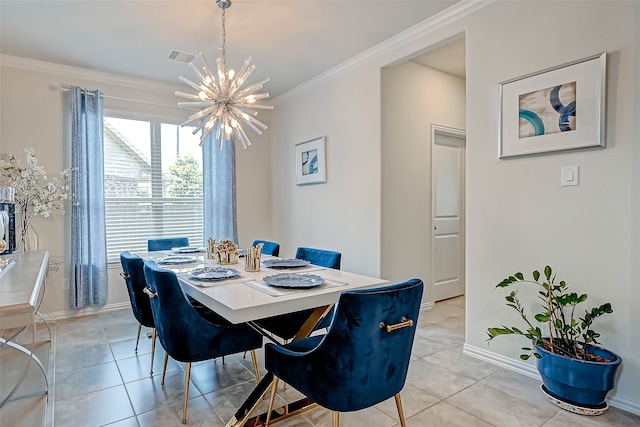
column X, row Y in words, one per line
column 34, row 193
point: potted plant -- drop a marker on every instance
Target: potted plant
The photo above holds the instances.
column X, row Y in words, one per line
column 576, row 372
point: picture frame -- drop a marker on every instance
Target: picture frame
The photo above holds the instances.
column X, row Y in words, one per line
column 311, row 165
column 560, row 108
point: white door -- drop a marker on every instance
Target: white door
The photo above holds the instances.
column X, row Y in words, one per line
column 447, row 181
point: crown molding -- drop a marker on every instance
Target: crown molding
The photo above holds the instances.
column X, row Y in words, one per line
column 82, row 73
column 429, row 25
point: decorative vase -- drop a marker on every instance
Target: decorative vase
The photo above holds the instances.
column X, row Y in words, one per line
column 580, row 384
column 27, row 240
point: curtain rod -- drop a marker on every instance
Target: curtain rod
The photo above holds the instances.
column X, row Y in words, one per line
column 116, row 98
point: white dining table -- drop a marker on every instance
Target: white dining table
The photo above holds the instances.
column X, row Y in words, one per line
column 246, row 297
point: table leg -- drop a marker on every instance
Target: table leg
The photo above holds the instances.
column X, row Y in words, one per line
column 243, row 415
column 32, row 357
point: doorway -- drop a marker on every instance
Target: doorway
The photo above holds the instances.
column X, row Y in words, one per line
column 447, row 207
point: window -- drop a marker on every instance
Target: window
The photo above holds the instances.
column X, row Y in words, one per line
column 153, row 183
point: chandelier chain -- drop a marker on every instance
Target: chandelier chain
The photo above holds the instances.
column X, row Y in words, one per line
column 224, row 39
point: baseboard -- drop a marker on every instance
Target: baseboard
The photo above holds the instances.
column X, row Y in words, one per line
column 87, row 311
column 427, row 305
column 617, row 401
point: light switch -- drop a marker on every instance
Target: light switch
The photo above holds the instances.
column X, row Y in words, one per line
column 570, row 175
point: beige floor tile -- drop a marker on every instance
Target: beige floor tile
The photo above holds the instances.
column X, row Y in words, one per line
column 613, row 417
column 69, row 358
column 139, row 367
column 148, row 394
column 437, row 381
column 213, row 375
column 445, row 415
column 86, row 380
column 500, row 408
column 413, row 399
column 127, row 422
column 370, row 417
column 125, row 348
column 454, row 360
column 24, row 412
column 444, row 387
column 94, row 409
column 518, row 385
column 199, row 413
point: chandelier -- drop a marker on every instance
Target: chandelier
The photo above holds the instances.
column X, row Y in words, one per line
column 224, row 103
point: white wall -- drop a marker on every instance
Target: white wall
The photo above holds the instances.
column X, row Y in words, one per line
column 518, row 216
column 414, row 97
column 34, row 113
column 344, row 213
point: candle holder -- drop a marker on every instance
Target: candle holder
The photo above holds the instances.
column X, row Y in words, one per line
column 252, row 258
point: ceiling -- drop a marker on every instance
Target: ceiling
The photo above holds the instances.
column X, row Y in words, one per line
column 291, row 41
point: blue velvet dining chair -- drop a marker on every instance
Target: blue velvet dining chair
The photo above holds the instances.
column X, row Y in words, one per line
column 133, row 275
column 268, row 248
column 166, row 243
column 322, row 257
column 287, row 325
column 188, row 336
column 364, row 357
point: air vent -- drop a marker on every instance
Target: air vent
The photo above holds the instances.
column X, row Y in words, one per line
column 181, row 56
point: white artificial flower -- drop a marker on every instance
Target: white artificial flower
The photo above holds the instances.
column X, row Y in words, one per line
column 35, row 193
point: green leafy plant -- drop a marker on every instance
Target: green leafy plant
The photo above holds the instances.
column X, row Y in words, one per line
column 566, row 333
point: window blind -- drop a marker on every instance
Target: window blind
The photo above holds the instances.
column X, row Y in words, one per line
column 153, row 184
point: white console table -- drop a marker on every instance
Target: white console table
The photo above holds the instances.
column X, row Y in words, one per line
column 22, row 282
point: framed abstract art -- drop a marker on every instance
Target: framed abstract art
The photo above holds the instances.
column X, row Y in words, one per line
column 560, row 108
column 311, row 166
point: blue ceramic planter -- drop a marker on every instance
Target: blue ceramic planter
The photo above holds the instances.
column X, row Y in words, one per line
column 579, row 382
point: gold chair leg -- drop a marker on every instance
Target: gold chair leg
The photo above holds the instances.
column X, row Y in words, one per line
column 274, row 388
column 255, row 365
column 400, row 411
column 154, row 334
column 164, row 371
column 138, row 336
column 336, row 419
column 284, row 384
column 186, row 393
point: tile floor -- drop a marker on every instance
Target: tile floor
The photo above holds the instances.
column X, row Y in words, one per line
column 98, row 380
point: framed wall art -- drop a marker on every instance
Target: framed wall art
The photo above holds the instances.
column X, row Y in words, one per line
column 561, row 108
column 311, row 166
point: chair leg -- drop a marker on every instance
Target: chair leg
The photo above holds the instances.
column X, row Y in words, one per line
column 400, row 411
column 164, row 371
column 336, row 419
column 154, row 334
column 274, row 388
column 186, row 393
column 138, row 336
column 255, row 365
column 284, row 384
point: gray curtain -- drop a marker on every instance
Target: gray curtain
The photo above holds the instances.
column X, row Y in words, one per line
column 219, row 187
column 88, row 233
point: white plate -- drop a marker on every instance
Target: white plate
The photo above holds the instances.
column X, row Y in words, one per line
column 176, row 259
column 187, row 249
column 213, row 273
column 292, row 280
column 285, row 263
